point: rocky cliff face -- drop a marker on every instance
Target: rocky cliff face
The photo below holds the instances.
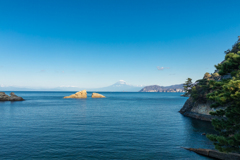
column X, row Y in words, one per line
column 197, row 110
column 201, row 109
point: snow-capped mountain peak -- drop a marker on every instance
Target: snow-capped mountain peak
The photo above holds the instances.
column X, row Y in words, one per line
column 121, row 85
column 121, row 82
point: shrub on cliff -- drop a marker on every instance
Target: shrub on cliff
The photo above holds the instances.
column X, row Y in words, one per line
column 207, row 75
column 199, row 90
column 215, row 75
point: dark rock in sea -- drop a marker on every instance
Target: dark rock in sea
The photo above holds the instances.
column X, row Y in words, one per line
column 215, row 154
column 12, row 97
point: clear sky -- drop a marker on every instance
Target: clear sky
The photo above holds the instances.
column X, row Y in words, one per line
column 93, row 43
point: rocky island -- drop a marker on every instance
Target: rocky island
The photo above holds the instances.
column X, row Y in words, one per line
column 83, row 94
column 97, row 95
column 80, row 94
column 12, row 97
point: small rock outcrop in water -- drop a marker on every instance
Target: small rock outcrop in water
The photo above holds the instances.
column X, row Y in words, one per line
column 96, row 95
column 80, row 94
column 12, row 97
column 215, row 154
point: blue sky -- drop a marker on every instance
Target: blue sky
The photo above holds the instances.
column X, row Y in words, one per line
column 96, row 43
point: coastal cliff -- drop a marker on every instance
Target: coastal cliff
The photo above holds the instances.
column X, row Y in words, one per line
column 216, row 98
column 203, row 93
column 198, row 106
column 197, row 110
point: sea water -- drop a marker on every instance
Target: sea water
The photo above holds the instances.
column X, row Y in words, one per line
column 123, row 125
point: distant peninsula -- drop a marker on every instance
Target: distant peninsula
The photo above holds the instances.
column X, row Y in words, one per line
column 156, row 88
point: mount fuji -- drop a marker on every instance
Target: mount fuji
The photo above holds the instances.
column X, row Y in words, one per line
column 121, row 85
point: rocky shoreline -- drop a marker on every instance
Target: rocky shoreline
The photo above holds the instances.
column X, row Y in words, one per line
column 197, row 110
column 12, row 97
column 198, row 116
column 215, row 154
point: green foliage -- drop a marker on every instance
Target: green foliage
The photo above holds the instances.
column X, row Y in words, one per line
column 215, row 75
column 226, row 93
column 207, row 75
column 199, row 92
column 187, row 86
column 231, row 63
column 223, row 92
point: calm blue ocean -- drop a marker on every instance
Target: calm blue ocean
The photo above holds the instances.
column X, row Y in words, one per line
column 120, row 126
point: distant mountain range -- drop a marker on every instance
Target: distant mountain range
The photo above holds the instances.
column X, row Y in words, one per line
column 120, row 86
column 156, row 88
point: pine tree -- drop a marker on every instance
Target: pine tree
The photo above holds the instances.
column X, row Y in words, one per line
column 226, row 94
column 187, row 86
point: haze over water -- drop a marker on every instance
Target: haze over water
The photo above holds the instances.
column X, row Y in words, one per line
column 120, row 126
